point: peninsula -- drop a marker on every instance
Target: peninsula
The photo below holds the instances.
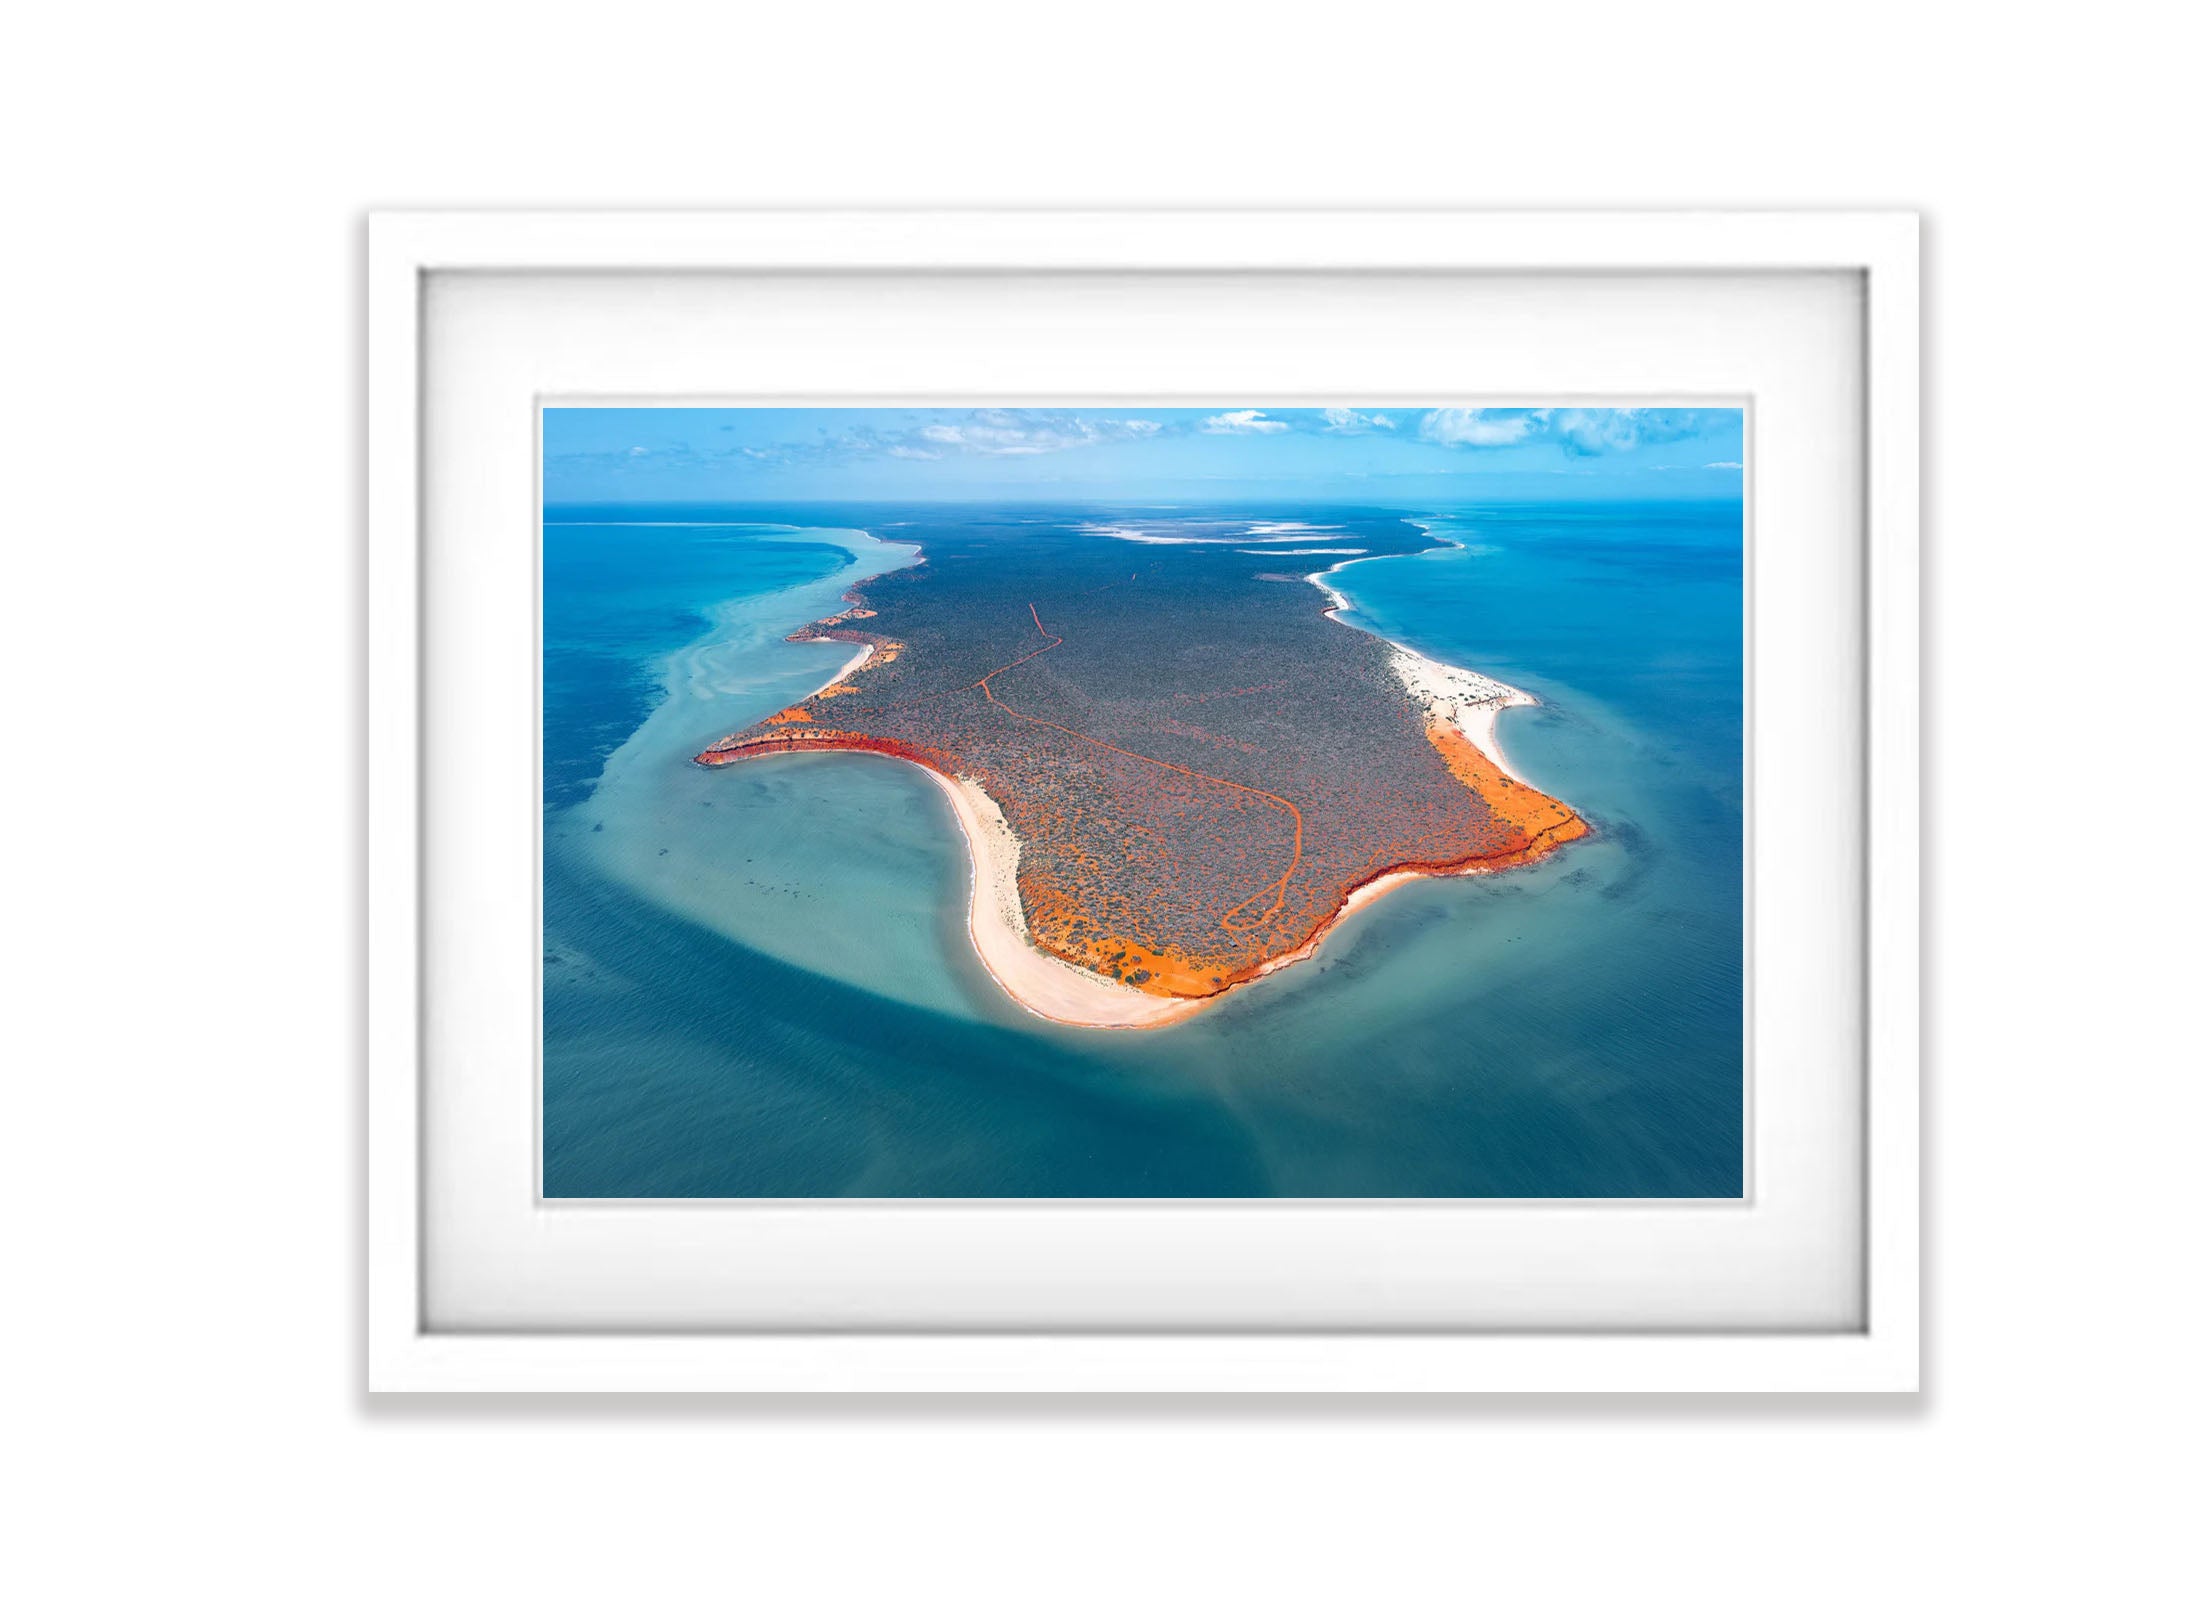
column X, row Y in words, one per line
column 1175, row 770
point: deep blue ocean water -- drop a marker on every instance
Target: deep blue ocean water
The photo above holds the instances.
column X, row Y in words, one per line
column 757, row 981
column 616, row 598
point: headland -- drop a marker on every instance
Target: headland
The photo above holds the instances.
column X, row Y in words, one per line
column 1173, row 774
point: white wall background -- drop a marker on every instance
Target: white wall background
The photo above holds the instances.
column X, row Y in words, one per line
column 178, row 616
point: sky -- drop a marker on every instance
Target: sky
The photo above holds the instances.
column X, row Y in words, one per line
column 1367, row 455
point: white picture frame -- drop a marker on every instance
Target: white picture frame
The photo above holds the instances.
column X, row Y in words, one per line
column 406, row 1353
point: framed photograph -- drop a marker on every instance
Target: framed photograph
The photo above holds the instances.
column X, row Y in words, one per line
column 1025, row 801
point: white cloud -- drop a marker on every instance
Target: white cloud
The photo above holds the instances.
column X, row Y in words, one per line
column 1606, row 428
column 1591, row 433
column 995, row 432
column 986, row 432
column 1244, row 422
column 1481, row 427
column 1724, row 466
column 1343, row 419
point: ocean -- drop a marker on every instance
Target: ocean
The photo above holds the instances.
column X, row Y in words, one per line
column 757, row 981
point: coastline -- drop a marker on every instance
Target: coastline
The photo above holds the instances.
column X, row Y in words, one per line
column 1479, row 726
column 1046, row 986
column 1359, row 899
column 1466, row 701
column 1469, row 701
column 1060, row 991
column 855, row 663
column 1454, row 699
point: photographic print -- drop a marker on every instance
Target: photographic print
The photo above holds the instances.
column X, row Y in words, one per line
column 1232, row 802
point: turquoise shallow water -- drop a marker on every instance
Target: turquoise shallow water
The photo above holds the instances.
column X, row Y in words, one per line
column 757, row 981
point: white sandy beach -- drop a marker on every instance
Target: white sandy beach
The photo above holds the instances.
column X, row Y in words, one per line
column 855, row 664
column 1041, row 984
column 1467, row 700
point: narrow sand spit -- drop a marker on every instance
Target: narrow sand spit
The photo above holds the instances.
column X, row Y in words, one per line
column 1042, row 985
